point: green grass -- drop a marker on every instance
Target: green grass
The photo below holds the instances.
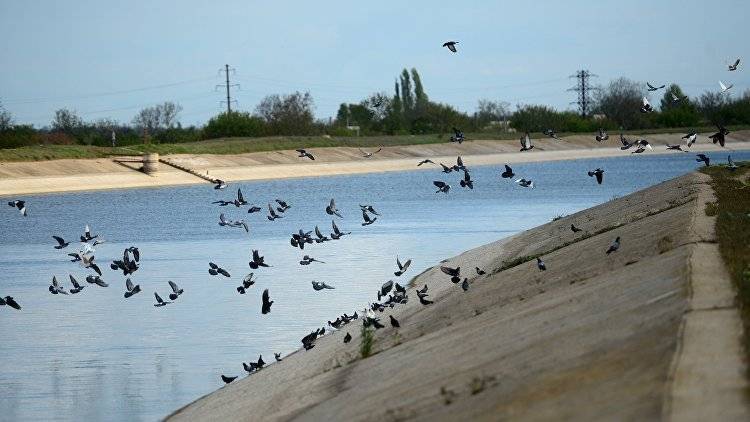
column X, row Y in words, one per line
column 732, row 210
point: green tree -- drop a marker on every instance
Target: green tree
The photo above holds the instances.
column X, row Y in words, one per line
column 420, row 97
column 290, row 114
column 66, row 121
column 407, row 100
column 621, row 101
column 234, row 124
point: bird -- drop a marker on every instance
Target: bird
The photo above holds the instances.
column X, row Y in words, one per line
column 55, row 287
column 401, row 267
column 646, row 107
column 602, row 135
column 458, row 136
column 625, row 142
column 720, row 136
column 176, row 291
column 703, row 158
column 551, row 133
column 451, row 45
column 277, row 356
column 267, row 302
column 639, row 150
column 227, row 379
column 643, row 143
column 272, row 214
column 508, row 173
column 61, row 243
column 283, row 206
column 599, row 173
column 677, row 147
column 525, row 183
column 614, row 246
column 442, row 186
column 318, row 285
column 733, row 67
column 87, row 235
column 130, row 289
column 455, row 273
column 95, row 279
column 159, row 300
column 394, row 322
column 367, row 219
column 654, row 88
column 216, row 270
column 724, row 88
column 676, row 98
column 425, row 162
column 240, row 199
column 20, row 205
column 369, row 208
column 386, row 287
column 220, row 184
column 540, row 264
column 575, row 229
column 307, row 259
column 76, row 286
column 8, row 300
column 321, row 238
column 466, row 182
column 459, row 164
column 337, row 234
column 303, row 154
column 526, row 142
column 347, row 338
column 253, row 209
column 331, row 209
column 480, row 271
column 423, row 299
column 465, row 284
column 367, row 154
column 446, row 169
column 690, row 138
column 88, row 262
column 730, row 163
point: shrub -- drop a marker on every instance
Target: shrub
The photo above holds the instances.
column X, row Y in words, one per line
column 234, row 124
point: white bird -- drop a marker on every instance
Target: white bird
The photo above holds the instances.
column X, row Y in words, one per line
column 725, row 88
column 690, row 138
column 646, row 108
column 526, row 142
column 525, row 183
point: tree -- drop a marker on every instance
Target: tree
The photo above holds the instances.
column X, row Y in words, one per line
column 6, row 119
column 169, row 113
column 234, row 124
column 288, row 115
column 160, row 116
column 420, row 97
column 680, row 113
column 490, row 111
column 621, row 101
column 66, row 121
column 407, row 100
column 533, row 118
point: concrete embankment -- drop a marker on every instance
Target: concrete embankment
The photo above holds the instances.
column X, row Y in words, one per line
column 648, row 332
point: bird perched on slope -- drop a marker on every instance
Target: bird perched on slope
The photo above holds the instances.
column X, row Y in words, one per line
column 401, row 267
column 130, row 289
column 602, row 135
column 526, row 144
column 690, row 138
column 451, row 45
column 508, row 173
column 425, row 162
column 319, row 285
column 730, row 163
column 20, row 205
column 331, row 209
column 646, row 107
column 652, row 88
column 303, row 154
column 703, row 158
column 442, row 186
column 367, row 218
column 225, row 378
column 277, row 356
column 540, row 264
column 61, row 243
column 614, row 246
column 720, row 136
column 267, row 302
column 8, row 300
column 733, row 67
column 347, row 338
column 599, row 173
column 394, row 322
column 575, row 229
column 551, row 133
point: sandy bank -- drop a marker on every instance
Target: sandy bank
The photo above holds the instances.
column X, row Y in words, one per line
column 77, row 175
column 595, row 337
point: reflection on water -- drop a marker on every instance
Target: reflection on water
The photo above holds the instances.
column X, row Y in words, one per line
column 98, row 356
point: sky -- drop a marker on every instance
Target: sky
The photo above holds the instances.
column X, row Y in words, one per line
column 109, row 59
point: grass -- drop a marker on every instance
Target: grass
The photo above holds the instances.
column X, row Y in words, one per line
column 732, row 210
column 366, row 342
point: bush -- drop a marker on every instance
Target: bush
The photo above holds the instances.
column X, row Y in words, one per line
column 234, row 124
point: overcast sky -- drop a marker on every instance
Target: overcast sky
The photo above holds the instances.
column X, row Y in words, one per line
column 107, row 58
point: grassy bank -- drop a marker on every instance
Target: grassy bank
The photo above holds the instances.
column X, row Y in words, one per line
column 247, row 145
column 732, row 211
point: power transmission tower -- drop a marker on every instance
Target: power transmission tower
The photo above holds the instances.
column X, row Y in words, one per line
column 584, row 90
column 228, row 85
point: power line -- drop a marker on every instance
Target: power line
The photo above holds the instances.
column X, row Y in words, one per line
column 227, row 85
column 583, row 89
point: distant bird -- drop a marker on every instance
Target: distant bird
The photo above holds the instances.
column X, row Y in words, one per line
column 703, row 158
column 401, row 267
column 508, row 173
column 455, row 273
column 303, row 154
column 643, row 143
column 367, row 219
column 347, row 338
column 480, row 271
column 159, row 300
column 451, row 45
column 253, row 209
column 446, row 169
column 602, row 135
column 226, row 379
column 465, row 284
column 220, row 184
column 337, row 234
column 214, row 269
column 526, row 142
column 575, row 229
column 677, row 147
column 61, row 243
column 733, row 67
column 599, row 173
column 540, row 264
column 639, row 150
column 87, row 236
column 367, row 154
column 319, row 285
column 676, row 98
column 320, row 237
column 20, row 205
column 730, row 163
column 652, row 88
column 466, row 182
column 458, row 136
column 8, row 300
column 525, row 183
column 442, row 186
column 283, row 206
column 76, row 285
column 720, row 136
column 267, row 302
column 646, row 107
column 176, row 291
column 614, row 246
column 55, row 287
column 130, row 289
column 272, row 214
column 724, row 88
column 394, row 322
column 369, row 208
column 551, row 133
column 690, row 138
column 277, row 356
column 307, row 259
column 331, row 209
column 425, row 162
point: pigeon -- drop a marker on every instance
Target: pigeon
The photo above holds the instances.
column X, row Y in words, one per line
column 733, row 67
column 599, row 173
column 508, row 173
column 386, row 287
column 575, row 229
column 258, row 261
column 720, row 136
column 130, row 289
column 724, row 88
column 337, row 234
column 625, row 143
column 20, row 205
column 368, row 208
column 425, row 162
column 303, row 154
column 176, row 291
column 367, row 154
column 677, row 147
column 442, row 186
column 602, row 135
column 272, row 214
column 525, row 183
column 159, row 300
column 284, row 206
column 465, row 284
column 446, row 169
column 480, row 271
column 61, row 243
column 87, row 235
column 347, row 338
column 88, row 262
column 646, row 107
column 307, row 259
column 367, row 218
column 240, row 199
column 55, row 287
column 466, row 182
column 394, row 322
column 317, row 285
column 652, row 88
column 220, row 184
column 253, row 209
column 730, row 163
column 95, row 279
column 526, row 142
column 331, row 209
column 267, row 302
column 614, row 246
column 8, row 300
column 76, row 286
column 451, row 45
column 704, row 159
column 277, row 356
column 401, row 267
column 643, row 143
column 458, row 136
column 321, row 238
column 676, row 98
column 540, row 264
column 639, row 150
column 423, row 299
column 690, row 138
column 551, row 133
column 225, row 378
column 459, row 164
column 455, row 273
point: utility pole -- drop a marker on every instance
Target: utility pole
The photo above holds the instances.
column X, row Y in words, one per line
column 227, row 85
column 583, row 89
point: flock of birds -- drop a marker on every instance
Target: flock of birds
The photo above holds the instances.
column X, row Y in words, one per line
column 391, row 293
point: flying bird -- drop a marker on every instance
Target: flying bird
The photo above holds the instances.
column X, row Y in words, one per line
column 526, row 142
column 176, row 291
column 703, row 158
column 95, row 279
column 55, row 287
column 551, row 133
column 20, row 205
column 61, row 243
column 303, row 154
column 401, row 267
column 508, row 173
column 367, row 219
column 720, row 136
column 130, row 289
column 599, row 173
column 733, row 67
column 76, row 285
column 614, row 246
column 368, row 154
column 725, row 88
column 466, row 182
column 458, row 136
column 337, row 234
column 331, row 209
column 451, row 45
column 220, row 184
column 267, row 302
column 525, row 183
column 446, row 169
column 652, row 88
column 318, row 285
column 369, row 208
column 455, row 273
column 159, row 300
column 8, row 300
column 646, row 107
column 272, row 214
column 602, row 135
column 442, row 186
column 87, row 236
column 690, row 138
column 425, row 162
column 676, row 98
column 677, row 147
